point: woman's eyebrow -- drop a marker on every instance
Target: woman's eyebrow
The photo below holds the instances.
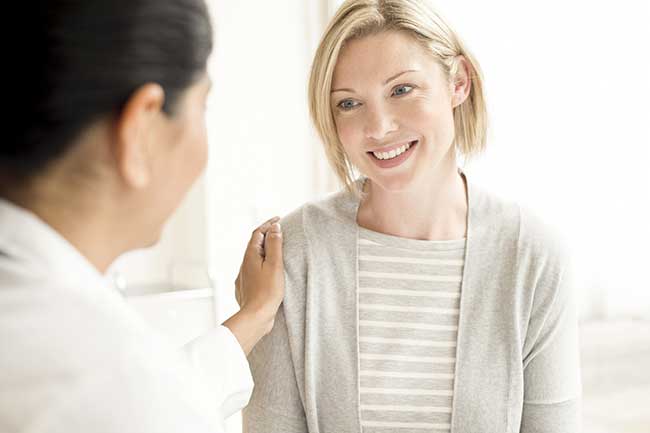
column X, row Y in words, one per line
column 343, row 90
column 399, row 74
column 388, row 80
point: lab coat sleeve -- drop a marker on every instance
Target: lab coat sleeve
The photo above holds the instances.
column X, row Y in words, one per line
column 221, row 367
column 133, row 399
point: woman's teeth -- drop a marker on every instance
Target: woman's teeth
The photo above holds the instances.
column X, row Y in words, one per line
column 393, row 153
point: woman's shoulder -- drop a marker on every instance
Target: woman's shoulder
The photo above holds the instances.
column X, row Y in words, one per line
column 326, row 224
column 334, row 210
column 340, row 205
column 528, row 248
column 508, row 218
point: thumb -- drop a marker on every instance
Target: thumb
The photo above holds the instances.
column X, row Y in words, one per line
column 255, row 248
column 273, row 246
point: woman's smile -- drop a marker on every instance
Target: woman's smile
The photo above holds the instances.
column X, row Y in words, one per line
column 393, row 156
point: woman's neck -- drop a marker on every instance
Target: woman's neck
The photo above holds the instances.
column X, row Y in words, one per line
column 432, row 210
column 83, row 221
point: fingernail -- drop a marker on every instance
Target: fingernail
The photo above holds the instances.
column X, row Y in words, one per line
column 276, row 228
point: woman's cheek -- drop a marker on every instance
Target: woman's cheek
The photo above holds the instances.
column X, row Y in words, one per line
column 347, row 132
column 421, row 108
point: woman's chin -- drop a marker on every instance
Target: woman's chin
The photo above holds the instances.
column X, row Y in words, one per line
column 394, row 183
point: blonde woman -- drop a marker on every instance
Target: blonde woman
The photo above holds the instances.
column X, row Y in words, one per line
column 415, row 301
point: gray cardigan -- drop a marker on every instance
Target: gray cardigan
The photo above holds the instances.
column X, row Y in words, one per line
column 517, row 364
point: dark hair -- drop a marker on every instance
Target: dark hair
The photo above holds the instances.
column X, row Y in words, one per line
column 80, row 60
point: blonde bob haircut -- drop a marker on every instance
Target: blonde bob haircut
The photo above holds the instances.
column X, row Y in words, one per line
column 359, row 18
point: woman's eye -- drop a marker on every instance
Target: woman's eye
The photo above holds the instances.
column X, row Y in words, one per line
column 402, row 90
column 347, row 104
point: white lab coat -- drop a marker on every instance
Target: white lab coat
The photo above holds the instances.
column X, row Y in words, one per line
column 74, row 356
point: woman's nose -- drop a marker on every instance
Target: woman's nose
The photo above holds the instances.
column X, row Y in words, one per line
column 379, row 123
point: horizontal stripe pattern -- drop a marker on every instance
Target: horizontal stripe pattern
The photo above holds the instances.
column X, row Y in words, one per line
column 409, row 304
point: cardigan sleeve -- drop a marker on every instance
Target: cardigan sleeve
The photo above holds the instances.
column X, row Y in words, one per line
column 552, row 388
column 276, row 405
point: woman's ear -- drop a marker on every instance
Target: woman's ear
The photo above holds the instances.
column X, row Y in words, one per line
column 133, row 134
column 461, row 81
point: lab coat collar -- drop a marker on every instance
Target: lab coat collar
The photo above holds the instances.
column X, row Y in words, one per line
column 30, row 247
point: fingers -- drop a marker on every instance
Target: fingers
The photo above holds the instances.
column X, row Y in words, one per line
column 267, row 225
column 255, row 250
column 273, row 246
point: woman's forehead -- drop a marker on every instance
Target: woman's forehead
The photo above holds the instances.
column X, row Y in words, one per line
column 379, row 56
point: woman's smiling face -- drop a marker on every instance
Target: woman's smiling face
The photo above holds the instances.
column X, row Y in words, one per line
column 393, row 109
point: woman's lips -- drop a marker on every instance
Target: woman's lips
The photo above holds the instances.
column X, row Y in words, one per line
column 397, row 160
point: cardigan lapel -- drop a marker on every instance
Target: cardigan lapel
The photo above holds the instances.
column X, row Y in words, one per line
column 484, row 348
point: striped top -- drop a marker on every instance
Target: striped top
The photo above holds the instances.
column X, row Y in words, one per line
column 409, row 298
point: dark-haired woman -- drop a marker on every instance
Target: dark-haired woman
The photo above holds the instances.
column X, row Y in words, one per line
column 107, row 136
